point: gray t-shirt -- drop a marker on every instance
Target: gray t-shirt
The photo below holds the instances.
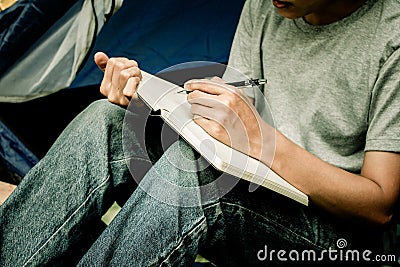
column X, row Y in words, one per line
column 334, row 89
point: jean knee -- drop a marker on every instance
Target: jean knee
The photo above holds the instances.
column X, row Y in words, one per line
column 104, row 110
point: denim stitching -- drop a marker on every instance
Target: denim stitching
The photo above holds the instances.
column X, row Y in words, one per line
column 195, row 227
column 129, row 158
column 69, row 218
column 275, row 223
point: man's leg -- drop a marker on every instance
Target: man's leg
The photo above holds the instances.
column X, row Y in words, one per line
column 54, row 214
column 263, row 228
column 161, row 225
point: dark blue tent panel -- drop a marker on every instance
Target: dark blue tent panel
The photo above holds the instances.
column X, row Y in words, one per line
column 13, row 152
column 159, row 34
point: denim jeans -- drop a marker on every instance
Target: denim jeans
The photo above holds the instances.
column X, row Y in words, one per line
column 53, row 217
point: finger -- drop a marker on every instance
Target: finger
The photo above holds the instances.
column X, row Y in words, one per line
column 128, row 73
column 214, row 129
column 131, row 86
column 106, row 84
column 217, row 79
column 201, row 121
column 202, row 98
column 117, row 72
column 118, row 98
column 101, row 60
column 203, row 111
column 208, row 86
column 120, row 65
column 204, row 123
column 223, row 115
column 213, row 111
column 228, row 102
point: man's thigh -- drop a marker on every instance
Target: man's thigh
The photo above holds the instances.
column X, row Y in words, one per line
column 263, row 228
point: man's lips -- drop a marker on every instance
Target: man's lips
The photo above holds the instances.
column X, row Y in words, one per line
column 281, row 4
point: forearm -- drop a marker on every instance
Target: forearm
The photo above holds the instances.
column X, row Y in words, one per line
column 333, row 189
column 229, row 117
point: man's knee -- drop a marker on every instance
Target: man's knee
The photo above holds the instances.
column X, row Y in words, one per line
column 104, row 110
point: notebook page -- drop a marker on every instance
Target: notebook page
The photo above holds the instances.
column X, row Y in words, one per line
column 175, row 110
column 227, row 159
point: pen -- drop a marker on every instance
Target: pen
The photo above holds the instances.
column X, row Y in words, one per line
column 245, row 83
column 249, row 82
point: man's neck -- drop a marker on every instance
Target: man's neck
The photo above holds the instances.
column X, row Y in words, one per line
column 335, row 11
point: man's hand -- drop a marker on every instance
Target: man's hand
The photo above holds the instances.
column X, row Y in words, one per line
column 121, row 78
column 229, row 116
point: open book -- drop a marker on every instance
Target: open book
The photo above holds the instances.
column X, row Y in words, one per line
column 161, row 95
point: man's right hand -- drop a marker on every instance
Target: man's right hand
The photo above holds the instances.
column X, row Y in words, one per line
column 121, row 78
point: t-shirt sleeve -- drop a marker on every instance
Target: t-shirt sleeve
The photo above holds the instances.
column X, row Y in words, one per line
column 384, row 116
column 240, row 54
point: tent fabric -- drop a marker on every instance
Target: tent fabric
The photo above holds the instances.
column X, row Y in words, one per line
column 14, row 153
column 23, row 23
column 51, row 63
column 160, row 34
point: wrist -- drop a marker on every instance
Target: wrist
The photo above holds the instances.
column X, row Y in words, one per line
column 268, row 145
column 293, row 163
column 281, row 148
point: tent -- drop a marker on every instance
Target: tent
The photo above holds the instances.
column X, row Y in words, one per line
column 46, row 51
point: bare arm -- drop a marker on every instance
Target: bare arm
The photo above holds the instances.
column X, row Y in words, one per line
column 370, row 196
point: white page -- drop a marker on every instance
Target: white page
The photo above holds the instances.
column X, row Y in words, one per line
column 175, row 110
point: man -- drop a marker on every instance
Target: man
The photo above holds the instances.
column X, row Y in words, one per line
column 333, row 89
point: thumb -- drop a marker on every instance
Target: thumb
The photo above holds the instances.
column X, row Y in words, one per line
column 101, row 60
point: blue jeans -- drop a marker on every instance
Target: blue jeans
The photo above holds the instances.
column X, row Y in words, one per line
column 53, row 217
